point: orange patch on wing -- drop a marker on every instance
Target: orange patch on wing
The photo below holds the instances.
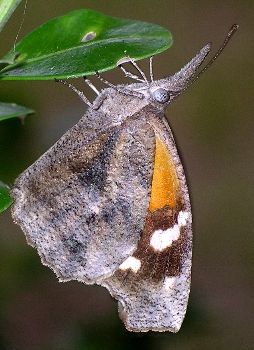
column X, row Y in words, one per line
column 164, row 182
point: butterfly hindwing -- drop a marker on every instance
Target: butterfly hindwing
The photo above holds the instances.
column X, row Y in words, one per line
column 83, row 203
column 152, row 285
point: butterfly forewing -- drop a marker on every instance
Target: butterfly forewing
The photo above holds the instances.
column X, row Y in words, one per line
column 83, row 203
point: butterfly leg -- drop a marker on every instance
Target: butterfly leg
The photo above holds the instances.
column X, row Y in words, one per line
column 119, row 88
column 90, row 84
column 78, row 92
column 151, row 68
column 129, row 74
column 134, row 64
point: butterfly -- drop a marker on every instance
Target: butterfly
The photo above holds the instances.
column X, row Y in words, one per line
column 108, row 203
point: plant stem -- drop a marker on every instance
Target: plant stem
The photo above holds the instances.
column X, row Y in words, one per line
column 7, row 7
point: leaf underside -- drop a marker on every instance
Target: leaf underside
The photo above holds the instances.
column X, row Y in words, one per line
column 80, row 43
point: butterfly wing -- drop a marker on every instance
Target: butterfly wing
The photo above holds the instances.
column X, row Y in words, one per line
column 83, row 203
column 152, row 285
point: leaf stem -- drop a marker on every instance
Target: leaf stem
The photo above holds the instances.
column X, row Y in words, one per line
column 7, row 7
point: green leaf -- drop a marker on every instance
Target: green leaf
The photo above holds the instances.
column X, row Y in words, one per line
column 7, row 7
column 11, row 110
column 83, row 42
column 5, row 198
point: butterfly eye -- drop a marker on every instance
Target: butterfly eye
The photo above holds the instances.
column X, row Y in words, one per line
column 161, row 95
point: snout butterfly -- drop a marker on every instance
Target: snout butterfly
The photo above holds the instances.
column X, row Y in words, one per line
column 108, row 202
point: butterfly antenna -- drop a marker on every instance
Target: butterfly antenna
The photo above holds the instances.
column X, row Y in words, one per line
column 230, row 33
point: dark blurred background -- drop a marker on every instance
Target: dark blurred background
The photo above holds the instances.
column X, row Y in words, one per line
column 213, row 124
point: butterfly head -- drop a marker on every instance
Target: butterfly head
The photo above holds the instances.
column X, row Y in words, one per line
column 162, row 92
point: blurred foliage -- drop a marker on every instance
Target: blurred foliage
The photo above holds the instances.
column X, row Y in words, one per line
column 8, row 110
column 5, row 199
column 12, row 110
column 7, row 7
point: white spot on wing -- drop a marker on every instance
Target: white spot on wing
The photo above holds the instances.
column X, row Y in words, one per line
column 169, row 282
column 183, row 217
column 162, row 239
column 131, row 263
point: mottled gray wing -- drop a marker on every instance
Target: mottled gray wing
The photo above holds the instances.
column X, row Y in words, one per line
column 152, row 286
column 83, row 203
